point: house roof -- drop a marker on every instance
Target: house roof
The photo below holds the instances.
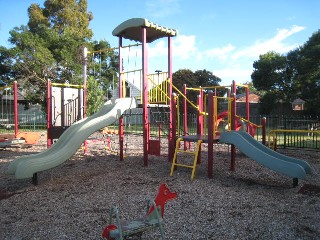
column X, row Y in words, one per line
column 132, row 29
column 298, row 101
column 253, row 98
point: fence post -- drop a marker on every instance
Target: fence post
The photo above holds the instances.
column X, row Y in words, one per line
column 264, row 123
column 285, row 134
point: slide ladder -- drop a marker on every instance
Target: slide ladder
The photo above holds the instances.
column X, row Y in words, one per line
column 195, row 153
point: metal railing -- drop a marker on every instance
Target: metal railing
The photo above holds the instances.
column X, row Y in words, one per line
column 26, row 122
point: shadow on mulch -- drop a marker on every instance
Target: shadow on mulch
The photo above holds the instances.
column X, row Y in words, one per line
column 309, row 189
column 4, row 194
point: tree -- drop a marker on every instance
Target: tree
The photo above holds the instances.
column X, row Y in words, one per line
column 95, row 96
column 200, row 78
column 49, row 46
column 272, row 75
column 103, row 65
column 185, row 76
column 305, row 62
column 205, row 78
column 6, row 72
column 291, row 76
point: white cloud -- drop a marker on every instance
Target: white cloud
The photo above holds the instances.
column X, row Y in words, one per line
column 220, row 53
column 239, row 64
column 233, row 72
column 276, row 44
column 226, row 62
column 160, row 48
column 184, row 47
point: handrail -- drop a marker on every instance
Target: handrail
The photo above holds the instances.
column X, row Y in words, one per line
column 131, row 71
column 66, row 85
column 157, row 86
column 181, row 94
column 248, row 121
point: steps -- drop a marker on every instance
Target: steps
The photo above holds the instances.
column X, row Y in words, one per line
column 193, row 166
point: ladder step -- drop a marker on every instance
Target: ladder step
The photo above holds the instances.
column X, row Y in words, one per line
column 183, row 165
column 189, row 152
column 195, row 153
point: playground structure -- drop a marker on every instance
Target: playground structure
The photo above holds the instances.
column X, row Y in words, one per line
column 236, row 136
column 70, row 141
column 65, row 106
column 143, row 31
column 158, row 93
column 208, row 124
column 153, row 218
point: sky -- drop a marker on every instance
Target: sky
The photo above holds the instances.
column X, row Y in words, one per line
column 224, row 37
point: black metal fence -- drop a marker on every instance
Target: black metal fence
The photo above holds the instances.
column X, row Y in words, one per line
column 287, row 131
column 292, row 131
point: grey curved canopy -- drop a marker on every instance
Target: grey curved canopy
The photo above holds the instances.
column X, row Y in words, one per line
column 132, row 29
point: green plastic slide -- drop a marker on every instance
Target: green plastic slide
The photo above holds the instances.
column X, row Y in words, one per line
column 277, row 162
column 70, row 141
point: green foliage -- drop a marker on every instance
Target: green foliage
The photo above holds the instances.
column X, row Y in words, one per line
column 267, row 103
column 103, row 65
column 252, row 89
column 50, row 47
column 307, row 73
column 200, row 78
column 271, row 72
column 95, row 97
column 291, row 76
column 6, row 73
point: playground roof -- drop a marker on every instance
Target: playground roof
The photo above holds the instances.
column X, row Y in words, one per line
column 132, row 29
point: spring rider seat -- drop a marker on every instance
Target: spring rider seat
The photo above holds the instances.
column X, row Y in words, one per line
column 120, row 230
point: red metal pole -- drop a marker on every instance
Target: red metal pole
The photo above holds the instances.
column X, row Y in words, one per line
column 247, row 107
column 16, row 118
column 120, row 83
column 233, row 125
column 174, row 123
column 121, row 138
column 49, row 114
column 171, row 137
column 120, row 67
column 146, row 132
column 210, row 134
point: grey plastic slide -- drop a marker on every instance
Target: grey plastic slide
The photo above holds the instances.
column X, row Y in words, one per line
column 277, row 162
column 70, row 141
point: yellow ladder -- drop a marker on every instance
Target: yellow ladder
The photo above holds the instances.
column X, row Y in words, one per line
column 195, row 153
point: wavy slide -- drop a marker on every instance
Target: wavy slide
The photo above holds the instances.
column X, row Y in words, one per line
column 277, row 162
column 70, row 141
